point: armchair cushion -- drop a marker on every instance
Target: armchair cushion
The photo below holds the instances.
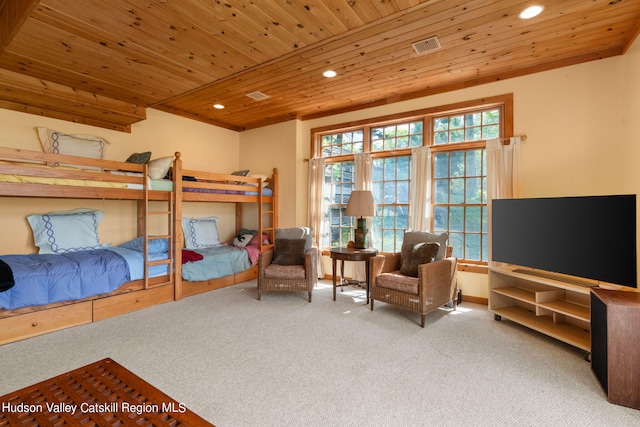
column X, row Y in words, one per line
column 415, row 254
column 414, row 237
column 296, row 278
column 399, row 282
column 289, row 251
column 275, row 271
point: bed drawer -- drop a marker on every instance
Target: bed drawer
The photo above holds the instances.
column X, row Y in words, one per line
column 104, row 308
column 40, row 322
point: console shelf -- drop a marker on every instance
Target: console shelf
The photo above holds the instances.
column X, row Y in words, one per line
column 558, row 309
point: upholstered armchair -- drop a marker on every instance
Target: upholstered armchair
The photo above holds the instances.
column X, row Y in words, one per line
column 421, row 278
column 291, row 264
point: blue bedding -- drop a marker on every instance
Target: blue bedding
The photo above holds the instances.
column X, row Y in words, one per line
column 218, row 262
column 47, row 278
column 135, row 262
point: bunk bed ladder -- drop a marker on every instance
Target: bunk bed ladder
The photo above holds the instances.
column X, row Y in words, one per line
column 270, row 212
column 268, row 230
column 267, row 213
column 147, row 213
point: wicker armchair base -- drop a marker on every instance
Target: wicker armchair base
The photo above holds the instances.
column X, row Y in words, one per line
column 437, row 285
column 301, row 278
column 284, row 285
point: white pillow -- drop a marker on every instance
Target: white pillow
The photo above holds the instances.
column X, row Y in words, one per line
column 56, row 142
column 264, row 179
column 158, row 168
column 66, row 231
column 200, row 232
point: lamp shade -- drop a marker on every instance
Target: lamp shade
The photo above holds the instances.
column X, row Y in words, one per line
column 360, row 204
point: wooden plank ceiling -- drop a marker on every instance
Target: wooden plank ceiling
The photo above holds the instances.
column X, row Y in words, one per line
column 103, row 62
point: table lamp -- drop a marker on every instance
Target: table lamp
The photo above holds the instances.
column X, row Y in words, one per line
column 361, row 205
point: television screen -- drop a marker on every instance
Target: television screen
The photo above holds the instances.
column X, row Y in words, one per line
column 591, row 237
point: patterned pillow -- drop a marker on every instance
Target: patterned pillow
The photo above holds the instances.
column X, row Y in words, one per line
column 56, row 142
column 246, row 231
column 200, row 232
column 242, row 240
column 139, row 158
column 66, row 231
column 243, row 172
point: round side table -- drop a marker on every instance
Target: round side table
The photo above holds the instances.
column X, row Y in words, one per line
column 350, row 254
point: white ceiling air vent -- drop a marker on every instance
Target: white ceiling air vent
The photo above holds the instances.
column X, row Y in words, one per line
column 258, row 96
column 426, row 46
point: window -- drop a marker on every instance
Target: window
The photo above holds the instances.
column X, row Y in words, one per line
column 457, row 136
column 459, row 202
column 391, row 195
column 474, row 126
column 459, row 179
column 396, row 136
column 339, row 183
column 342, row 143
column 390, row 184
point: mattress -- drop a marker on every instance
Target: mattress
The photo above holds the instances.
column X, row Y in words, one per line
column 154, row 184
column 265, row 191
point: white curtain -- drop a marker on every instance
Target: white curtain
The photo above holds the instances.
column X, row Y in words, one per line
column 503, row 174
column 364, row 181
column 315, row 212
column 364, row 171
column 420, row 190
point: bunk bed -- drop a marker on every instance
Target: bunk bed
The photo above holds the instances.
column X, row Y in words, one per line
column 149, row 273
column 258, row 192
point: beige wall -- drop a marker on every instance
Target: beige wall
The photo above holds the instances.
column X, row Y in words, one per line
column 275, row 147
column 278, row 146
column 630, row 122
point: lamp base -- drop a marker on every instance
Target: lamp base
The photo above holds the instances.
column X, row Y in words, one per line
column 361, row 240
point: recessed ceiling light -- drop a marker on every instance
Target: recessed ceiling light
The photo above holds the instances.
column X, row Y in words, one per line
column 531, row 12
column 329, row 73
column 218, row 106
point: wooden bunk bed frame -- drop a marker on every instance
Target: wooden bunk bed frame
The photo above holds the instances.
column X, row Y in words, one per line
column 32, row 321
column 266, row 206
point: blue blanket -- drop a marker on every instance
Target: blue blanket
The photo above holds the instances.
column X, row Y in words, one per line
column 47, row 278
column 135, row 262
column 218, row 262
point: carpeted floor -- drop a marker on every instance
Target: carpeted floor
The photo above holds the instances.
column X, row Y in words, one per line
column 237, row 361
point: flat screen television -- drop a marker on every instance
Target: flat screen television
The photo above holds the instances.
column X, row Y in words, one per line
column 592, row 237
